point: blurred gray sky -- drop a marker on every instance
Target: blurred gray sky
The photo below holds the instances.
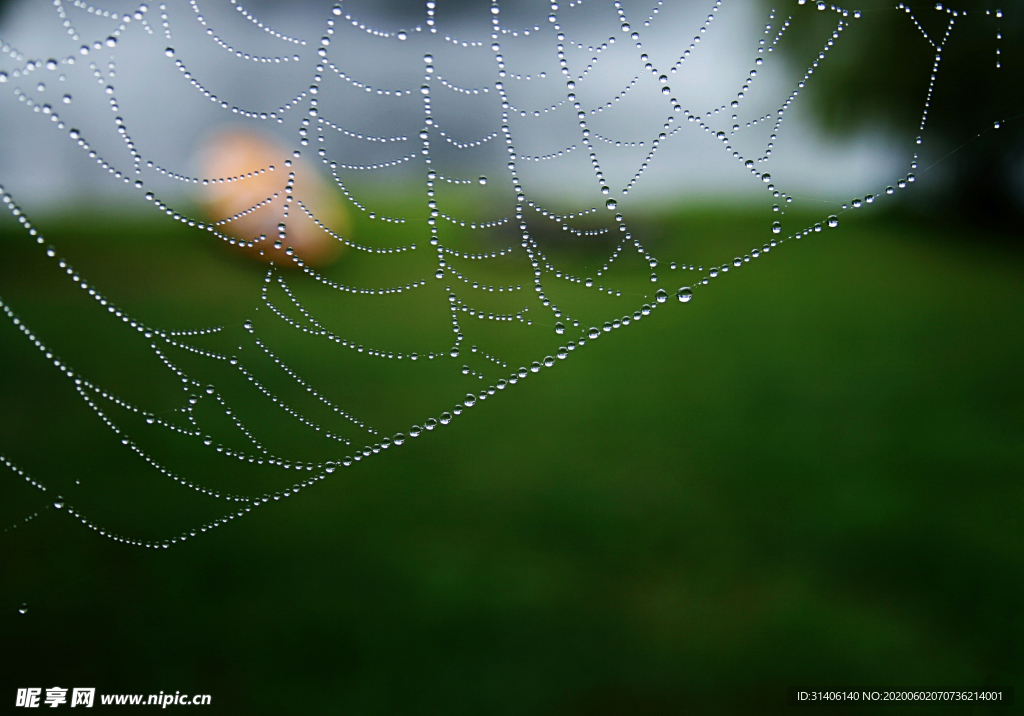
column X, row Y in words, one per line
column 167, row 118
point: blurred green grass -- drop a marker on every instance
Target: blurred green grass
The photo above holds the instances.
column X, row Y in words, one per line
column 809, row 476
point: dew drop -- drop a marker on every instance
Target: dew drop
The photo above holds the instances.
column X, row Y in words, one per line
column 66, row 99
column 559, row 328
column 169, row 52
column 482, row 180
column 776, row 227
column 766, row 178
column 402, row 35
column 470, row 400
column 23, row 609
column 111, row 41
column 661, row 295
column 611, row 205
column 684, row 294
column 833, row 222
column 594, row 333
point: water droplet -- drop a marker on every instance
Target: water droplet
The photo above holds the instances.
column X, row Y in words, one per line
column 470, row 400
column 821, row 6
column 766, row 178
column 169, row 52
column 776, row 227
column 684, row 294
column 482, row 180
column 611, row 205
column 562, row 353
column 454, row 352
column 548, row 361
column 445, row 418
column 737, row 262
column 23, row 609
column 3, row 77
column 111, row 41
column 833, row 222
column 66, row 99
column 594, row 333
column 58, row 504
column 661, row 295
column 402, row 35
column 559, row 328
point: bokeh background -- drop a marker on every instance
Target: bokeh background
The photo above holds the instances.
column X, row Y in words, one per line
column 807, row 477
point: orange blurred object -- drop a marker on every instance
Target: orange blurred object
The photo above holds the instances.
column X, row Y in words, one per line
column 242, row 187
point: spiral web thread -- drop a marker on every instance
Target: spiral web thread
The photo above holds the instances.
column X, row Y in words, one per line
column 443, row 263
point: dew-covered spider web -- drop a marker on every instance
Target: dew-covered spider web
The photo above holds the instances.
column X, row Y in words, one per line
column 428, row 208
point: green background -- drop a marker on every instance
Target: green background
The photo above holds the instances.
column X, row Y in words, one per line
column 809, row 477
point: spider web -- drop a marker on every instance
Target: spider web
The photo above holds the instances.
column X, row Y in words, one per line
column 476, row 150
